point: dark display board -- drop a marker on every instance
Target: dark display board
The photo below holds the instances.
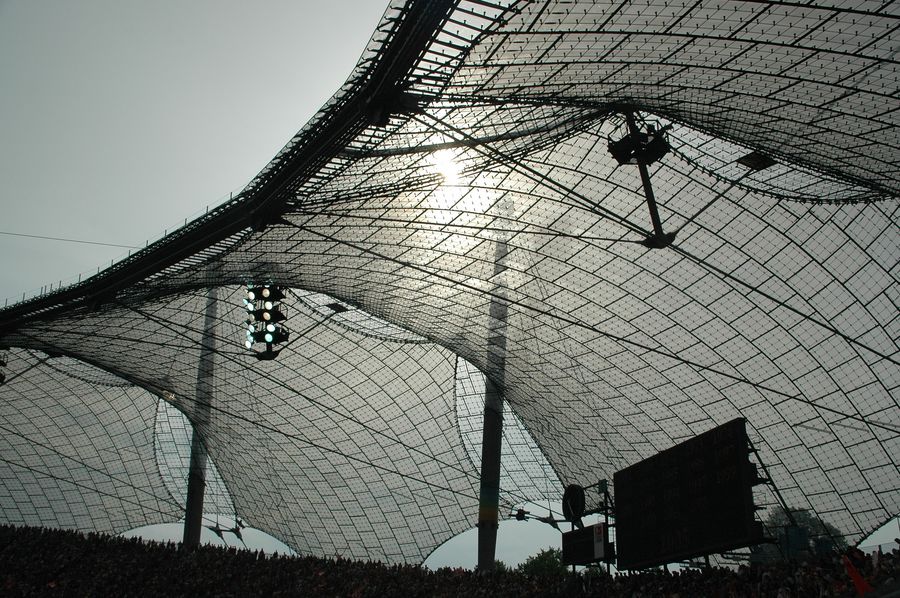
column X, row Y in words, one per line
column 693, row 499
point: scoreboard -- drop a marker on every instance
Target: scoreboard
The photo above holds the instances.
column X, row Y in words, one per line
column 693, row 499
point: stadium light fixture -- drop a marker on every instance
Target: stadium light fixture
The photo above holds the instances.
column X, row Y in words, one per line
column 265, row 322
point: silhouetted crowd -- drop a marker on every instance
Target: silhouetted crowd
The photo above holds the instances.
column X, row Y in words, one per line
column 43, row 562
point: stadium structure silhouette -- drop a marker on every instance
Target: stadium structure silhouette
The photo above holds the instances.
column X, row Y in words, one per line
column 525, row 240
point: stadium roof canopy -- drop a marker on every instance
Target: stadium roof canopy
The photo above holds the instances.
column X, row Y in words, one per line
column 464, row 167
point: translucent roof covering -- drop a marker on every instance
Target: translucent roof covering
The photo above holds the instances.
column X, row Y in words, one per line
column 464, row 166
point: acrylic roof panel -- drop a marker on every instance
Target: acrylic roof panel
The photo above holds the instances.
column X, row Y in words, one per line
column 488, row 182
column 808, row 83
column 343, row 427
column 77, row 448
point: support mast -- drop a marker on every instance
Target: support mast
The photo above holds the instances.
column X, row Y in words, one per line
column 492, row 435
column 193, row 516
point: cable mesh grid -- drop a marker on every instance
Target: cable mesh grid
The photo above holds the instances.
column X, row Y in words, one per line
column 776, row 302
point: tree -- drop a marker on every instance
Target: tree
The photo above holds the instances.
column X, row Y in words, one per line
column 546, row 563
column 811, row 536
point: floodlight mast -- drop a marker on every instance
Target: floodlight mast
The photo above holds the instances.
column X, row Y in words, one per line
column 492, row 434
column 193, row 516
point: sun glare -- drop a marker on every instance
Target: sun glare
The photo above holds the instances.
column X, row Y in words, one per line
column 443, row 163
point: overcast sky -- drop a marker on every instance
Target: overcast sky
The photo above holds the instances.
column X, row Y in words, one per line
column 119, row 118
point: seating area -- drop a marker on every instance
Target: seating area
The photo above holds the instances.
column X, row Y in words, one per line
column 51, row 562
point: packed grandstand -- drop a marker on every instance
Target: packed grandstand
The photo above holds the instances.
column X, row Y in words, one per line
column 64, row 563
column 528, row 244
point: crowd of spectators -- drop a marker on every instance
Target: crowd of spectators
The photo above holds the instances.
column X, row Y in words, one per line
column 43, row 562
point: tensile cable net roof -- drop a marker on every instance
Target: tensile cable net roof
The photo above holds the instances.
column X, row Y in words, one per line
column 453, row 213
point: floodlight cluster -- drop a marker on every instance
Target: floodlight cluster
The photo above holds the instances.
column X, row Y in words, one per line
column 265, row 322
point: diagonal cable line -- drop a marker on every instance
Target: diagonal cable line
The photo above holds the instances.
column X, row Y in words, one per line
column 111, row 476
column 439, row 227
column 26, row 370
column 754, row 289
column 90, row 488
column 297, row 438
column 535, row 176
column 391, row 439
column 548, row 313
column 547, row 180
column 67, row 240
column 718, row 195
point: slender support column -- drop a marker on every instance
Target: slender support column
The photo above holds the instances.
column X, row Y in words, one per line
column 492, row 435
column 489, row 499
column 193, row 517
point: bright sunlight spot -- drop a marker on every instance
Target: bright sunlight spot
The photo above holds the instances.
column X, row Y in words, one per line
column 443, row 163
